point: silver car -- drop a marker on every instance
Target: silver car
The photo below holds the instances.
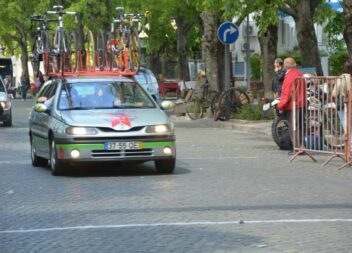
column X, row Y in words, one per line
column 5, row 106
column 98, row 119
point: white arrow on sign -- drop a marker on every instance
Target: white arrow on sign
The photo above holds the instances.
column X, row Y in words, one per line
column 230, row 30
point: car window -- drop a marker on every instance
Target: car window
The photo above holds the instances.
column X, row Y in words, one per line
column 104, row 95
column 44, row 90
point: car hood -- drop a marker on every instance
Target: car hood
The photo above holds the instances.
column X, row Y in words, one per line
column 119, row 119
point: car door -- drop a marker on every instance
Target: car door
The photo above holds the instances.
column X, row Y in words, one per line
column 40, row 121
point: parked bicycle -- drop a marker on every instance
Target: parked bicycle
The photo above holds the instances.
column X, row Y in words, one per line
column 199, row 102
column 225, row 104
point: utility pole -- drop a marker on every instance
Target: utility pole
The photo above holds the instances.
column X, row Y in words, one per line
column 248, row 55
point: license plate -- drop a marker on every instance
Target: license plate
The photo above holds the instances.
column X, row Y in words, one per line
column 112, row 145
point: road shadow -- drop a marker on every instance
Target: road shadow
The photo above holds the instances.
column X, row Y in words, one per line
column 118, row 169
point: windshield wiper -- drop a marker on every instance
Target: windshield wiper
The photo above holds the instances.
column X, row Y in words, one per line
column 76, row 108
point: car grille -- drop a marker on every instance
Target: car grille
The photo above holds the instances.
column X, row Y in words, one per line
column 147, row 152
column 142, row 138
column 111, row 130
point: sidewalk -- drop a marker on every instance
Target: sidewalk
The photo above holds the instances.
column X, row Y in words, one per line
column 259, row 127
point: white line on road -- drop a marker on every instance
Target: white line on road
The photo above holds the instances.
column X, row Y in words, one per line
column 216, row 158
column 15, row 162
column 198, row 223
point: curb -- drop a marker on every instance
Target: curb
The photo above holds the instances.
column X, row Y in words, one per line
column 257, row 127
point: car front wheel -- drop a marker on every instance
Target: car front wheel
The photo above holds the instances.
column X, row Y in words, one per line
column 36, row 160
column 55, row 165
column 8, row 122
column 166, row 166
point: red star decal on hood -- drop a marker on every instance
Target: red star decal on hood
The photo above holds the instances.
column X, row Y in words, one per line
column 120, row 118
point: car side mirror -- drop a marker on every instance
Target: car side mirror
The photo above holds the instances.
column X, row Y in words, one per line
column 167, row 105
column 39, row 107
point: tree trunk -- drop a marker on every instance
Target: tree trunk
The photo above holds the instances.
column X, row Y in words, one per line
column 153, row 62
column 210, row 48
column 347, row 30
column 24, row 56
column 182, row 51
column 306, row 37
column 268, row 46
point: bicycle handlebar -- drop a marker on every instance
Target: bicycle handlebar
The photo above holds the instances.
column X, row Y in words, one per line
column 60, row 13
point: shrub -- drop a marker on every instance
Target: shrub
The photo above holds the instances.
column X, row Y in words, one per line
column 252, row 112
column 256, row 67
column 336, row 61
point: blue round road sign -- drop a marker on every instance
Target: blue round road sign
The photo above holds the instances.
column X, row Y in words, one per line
column 228, row 33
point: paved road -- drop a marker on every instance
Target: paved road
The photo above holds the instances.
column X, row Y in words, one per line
column 232, row 191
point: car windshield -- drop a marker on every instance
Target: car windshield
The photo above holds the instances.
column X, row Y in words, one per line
column 103, row 95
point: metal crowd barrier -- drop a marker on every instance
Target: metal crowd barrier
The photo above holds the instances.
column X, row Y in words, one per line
column 321, row 117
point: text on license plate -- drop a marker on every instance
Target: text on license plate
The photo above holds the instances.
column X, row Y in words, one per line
column 111, row 145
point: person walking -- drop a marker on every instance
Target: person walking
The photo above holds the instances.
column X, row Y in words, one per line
column 285, row 104
column 278, row 78
column 39, row 80
column 25, row 84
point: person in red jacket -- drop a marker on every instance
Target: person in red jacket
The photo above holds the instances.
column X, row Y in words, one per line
column 285, row 104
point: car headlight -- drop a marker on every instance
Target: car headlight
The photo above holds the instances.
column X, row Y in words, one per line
column 5, row 105
column 81, row 131
column 158, row 129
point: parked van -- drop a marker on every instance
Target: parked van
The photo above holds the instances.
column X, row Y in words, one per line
column 148, row 81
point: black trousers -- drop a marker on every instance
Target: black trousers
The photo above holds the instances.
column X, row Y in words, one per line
column 300, row 125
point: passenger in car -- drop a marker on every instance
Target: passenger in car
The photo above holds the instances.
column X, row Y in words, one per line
column 46, row 101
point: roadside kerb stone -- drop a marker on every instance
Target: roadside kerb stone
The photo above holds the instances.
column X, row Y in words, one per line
column 258, row 127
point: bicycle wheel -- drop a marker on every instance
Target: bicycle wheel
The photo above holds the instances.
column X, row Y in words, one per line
column 61, row 51
column 46, row 42
column 133, row 51
column 90, row 51
column 100, row 50
column 110, row 51
column 75, row 61
column 214, row 102
column 237, row 98
column 280, row 128
column 223, row 108
column 194, row 109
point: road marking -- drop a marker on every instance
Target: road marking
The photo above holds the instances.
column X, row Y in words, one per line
column 216, row 158
column 197, row 223
column 15, row 162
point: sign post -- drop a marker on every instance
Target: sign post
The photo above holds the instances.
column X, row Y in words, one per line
column 227, row 34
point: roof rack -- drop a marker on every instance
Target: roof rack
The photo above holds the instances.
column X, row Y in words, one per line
column 74, row 64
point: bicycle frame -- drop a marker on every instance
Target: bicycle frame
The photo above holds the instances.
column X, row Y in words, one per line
column 60, row 43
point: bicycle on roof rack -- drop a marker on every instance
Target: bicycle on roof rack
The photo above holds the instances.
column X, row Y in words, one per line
column 41, row 44
column 123, row 42
column 61, row 49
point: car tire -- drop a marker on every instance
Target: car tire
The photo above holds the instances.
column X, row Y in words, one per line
column 36, row 160
column 8, row 122
column 166, row 166
column 56, row 166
